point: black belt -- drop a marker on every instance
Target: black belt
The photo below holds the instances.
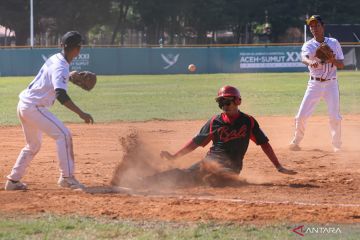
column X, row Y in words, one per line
column 319, row 79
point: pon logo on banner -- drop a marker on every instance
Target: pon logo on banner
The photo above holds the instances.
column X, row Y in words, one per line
column 275, row 59
column 170, row 60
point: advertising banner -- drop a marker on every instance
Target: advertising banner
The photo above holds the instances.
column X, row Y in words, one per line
column 265, row 59
column 117, row 61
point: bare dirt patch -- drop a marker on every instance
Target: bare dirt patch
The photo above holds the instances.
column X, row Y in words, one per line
column 326, row 189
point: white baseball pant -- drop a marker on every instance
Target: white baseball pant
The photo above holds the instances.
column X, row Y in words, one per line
column 316, row 90
column 34, row 121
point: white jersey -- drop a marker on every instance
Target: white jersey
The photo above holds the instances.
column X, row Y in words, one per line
column 326, row 70
column 53, row 74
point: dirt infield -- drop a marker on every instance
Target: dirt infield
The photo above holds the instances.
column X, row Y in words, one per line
column 326, row 189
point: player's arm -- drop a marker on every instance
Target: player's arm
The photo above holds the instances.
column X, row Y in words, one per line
column 268, row 150
column 201, row 139
column 65, row 100
column 339, row 64
column 306, row 60
column 314, row 64
column 305, row 57
column 258, row 136
column 338, row 58
column 189, row 147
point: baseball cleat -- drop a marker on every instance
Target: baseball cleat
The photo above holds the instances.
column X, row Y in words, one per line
column 13, row 186
column 294, row 147
column 70, row 182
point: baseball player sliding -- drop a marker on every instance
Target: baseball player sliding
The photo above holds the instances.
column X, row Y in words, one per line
column 230, row 133
column 323, row 56
column 50, row 83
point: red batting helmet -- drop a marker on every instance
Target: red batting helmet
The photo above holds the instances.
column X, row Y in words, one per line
column 228, row 91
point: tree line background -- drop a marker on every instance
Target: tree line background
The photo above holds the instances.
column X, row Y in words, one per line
column 173, row 22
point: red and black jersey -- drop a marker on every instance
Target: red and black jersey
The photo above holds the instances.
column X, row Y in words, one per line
column 230, row 137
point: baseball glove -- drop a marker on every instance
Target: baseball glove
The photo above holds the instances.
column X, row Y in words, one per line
column 324, row 53
column 85, row 79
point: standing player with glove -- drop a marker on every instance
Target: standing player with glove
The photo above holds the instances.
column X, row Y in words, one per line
column 50, row 83
column 323, row 56
column 230, row 133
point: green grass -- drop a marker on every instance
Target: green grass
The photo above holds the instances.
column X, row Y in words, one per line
column 74, row 227
column 139, row 98
column 175, row 97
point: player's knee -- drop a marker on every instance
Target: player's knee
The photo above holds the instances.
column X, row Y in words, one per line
column 63, row 135
column 33, row 148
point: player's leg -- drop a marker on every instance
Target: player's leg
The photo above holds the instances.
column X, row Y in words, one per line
column 175, row 176
column 32, row 147
column 219, row 172
column 332, row 98
column 53, row 127
column 311, row 98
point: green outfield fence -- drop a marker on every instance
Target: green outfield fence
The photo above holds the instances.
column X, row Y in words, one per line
column 110, row 60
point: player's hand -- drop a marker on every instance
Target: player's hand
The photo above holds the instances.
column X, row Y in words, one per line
column 314, row 64
column 286, row 171
column 87, row 118
column 167, row 155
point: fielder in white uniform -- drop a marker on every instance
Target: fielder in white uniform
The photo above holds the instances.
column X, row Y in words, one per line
column 50, row 83
column 323, row 84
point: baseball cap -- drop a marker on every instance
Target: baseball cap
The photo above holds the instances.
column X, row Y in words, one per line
column 71, row 39
column 314, row 18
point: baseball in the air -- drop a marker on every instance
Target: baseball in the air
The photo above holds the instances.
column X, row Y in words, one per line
column 192, row 68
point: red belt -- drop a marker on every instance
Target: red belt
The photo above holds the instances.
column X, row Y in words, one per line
column 319, row 79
